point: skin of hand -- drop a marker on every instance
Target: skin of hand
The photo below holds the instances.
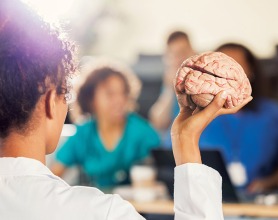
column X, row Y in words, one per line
column 190, row 123
column 263, row 185
column 258, row 186
column 168, row 78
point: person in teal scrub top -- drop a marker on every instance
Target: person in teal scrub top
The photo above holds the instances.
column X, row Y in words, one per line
column 112, row 139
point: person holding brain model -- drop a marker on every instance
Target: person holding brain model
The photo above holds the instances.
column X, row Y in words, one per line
column 36, row 64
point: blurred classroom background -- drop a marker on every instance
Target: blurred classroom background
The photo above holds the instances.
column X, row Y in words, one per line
column 135, row 32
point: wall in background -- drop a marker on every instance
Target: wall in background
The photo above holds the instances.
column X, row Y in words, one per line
column 135, row 26
column 126, row 28
column 252, row 22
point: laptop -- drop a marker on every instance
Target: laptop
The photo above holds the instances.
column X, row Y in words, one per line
column 165, row 163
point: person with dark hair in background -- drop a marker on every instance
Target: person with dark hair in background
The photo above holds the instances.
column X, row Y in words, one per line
column 166, row 108
column 248, row 139
column 35, row 65
column 112, row 140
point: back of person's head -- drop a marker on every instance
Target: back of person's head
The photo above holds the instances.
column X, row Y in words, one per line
column 178, row 49
column 33, row 57
column 252, row 68
column 177, row 35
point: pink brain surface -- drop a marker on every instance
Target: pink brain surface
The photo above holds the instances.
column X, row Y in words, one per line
column 202, row 76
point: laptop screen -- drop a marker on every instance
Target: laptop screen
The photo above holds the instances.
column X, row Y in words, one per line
column 165, row 163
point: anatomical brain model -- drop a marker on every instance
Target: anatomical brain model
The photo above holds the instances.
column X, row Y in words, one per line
column 202, row 76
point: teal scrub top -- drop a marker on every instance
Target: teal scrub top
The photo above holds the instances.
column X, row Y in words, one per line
column 109, row 168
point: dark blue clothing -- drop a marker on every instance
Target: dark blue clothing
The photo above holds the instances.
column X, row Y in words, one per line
column 250, row 137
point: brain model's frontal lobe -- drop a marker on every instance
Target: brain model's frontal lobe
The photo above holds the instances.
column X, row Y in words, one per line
column 202, row 76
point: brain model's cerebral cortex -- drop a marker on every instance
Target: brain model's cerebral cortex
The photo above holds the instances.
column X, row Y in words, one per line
column 202, row 76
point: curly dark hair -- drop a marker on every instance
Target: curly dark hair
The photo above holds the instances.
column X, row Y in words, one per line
column 96, row 77
column 33, row 56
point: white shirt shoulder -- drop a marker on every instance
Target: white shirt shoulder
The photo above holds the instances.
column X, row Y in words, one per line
column 37, row 194
column 31, row 191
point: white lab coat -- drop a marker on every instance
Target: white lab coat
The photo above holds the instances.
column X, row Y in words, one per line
column 30, row 191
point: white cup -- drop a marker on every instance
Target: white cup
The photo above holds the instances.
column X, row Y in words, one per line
column 143, row 183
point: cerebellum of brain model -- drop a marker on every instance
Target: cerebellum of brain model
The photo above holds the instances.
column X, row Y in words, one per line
column 202, row 76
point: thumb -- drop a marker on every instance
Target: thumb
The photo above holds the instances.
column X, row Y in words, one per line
column 217, row 104
column 204, row 117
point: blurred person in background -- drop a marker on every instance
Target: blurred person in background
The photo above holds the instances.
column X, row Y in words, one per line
column 166, row 108
column 248, row 139
column 112, row 139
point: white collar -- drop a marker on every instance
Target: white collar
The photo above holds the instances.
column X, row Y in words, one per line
column 22, row 166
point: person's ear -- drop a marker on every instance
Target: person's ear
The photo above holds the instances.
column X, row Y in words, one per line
column 50, row 103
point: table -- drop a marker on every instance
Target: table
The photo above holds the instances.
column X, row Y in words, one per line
column 166, row 207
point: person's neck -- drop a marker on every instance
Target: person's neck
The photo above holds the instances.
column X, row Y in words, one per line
column 17, row 145
column 110, row 132
column 106, row 125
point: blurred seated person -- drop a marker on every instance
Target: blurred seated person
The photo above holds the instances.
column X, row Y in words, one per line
column 248, row 139
column 166, row 108
column 112, row 139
